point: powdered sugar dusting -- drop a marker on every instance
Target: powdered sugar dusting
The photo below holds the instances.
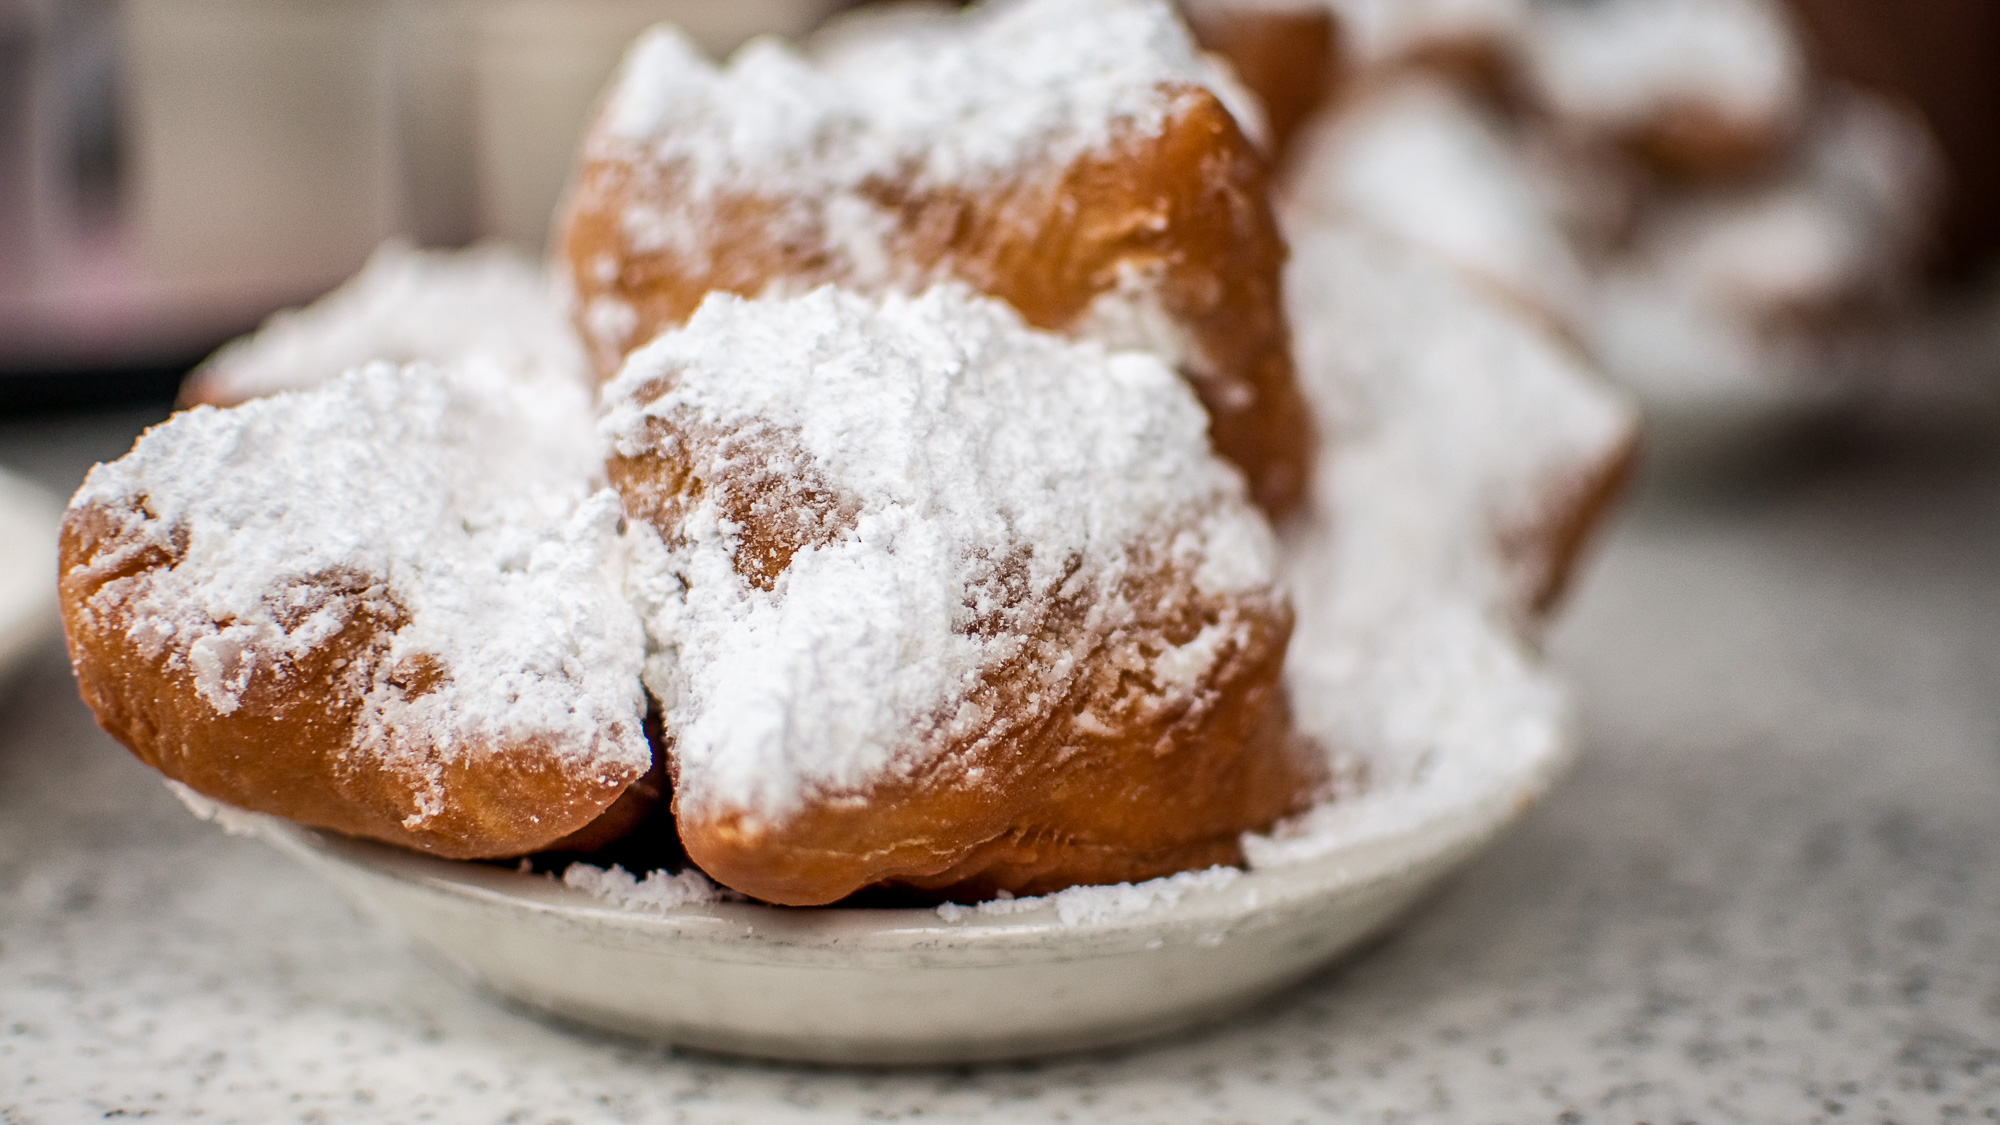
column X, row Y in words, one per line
column 1458, row 420
column 950, row 100
column 658, row 892
column 970, row 454
column 456, row 506
column 1100, row 905
column 441, row 306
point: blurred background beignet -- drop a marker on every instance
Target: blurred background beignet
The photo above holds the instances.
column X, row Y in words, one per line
column 942, row 601
column 1697, row 89
column 485, row 303
column 1080, row 159
column 386, row 607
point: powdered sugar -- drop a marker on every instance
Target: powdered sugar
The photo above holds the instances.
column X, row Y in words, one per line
column 442, row 306
column 1457, row 420
column 1621, row 62
column 1451, row 422
column 1422, row 159
column 456, row 507
column 658, row 892
column 1382, row 32
column 968, row 453
column 950, row 100
column 1096, row 906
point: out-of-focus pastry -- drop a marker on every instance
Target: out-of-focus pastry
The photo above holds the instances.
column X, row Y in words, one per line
column 1700, row 89
column 383, row 606
column 1469, row 452
column 941, row 601
column 1733, row 288
column 1524, row 446
column 1473, row 41
column 1080, row 159
column 1426, row 162
column 485, row 304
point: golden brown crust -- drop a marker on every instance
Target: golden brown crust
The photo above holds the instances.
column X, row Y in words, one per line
column 1099, row 786
column 288, row 749
column 1096, row 774
column 1188, row 207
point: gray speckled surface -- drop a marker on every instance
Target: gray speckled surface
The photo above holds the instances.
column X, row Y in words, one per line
column 1771, row 892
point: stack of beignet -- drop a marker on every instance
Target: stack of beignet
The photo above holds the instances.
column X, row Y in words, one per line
column 922, row 537
column 1079, row 163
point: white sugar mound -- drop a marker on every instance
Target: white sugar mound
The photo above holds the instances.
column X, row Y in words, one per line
column 466, row 497
column 1450, row 421
column 658, row 892
column 967, row 444
column 441, row 306
column 1620, row 62
column 1097, row 906
column 948, row 99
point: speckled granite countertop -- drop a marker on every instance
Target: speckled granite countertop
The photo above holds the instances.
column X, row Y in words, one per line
column 1770, row 893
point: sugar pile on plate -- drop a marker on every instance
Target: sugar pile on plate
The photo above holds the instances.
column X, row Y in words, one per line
column 1036, row 82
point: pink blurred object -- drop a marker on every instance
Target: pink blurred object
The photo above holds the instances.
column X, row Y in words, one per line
column 173, row 170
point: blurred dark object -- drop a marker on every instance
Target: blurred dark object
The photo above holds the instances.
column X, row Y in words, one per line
column 1943, row 57
column 172, row 171
column 30, row 391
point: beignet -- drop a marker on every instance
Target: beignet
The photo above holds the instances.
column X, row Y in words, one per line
column 1074, row 158
column 381, row 607
column 1699, row 89
column 1486, row 441
column 941, row 601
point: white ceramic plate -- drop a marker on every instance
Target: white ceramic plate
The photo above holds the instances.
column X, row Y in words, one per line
column 906, row 986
